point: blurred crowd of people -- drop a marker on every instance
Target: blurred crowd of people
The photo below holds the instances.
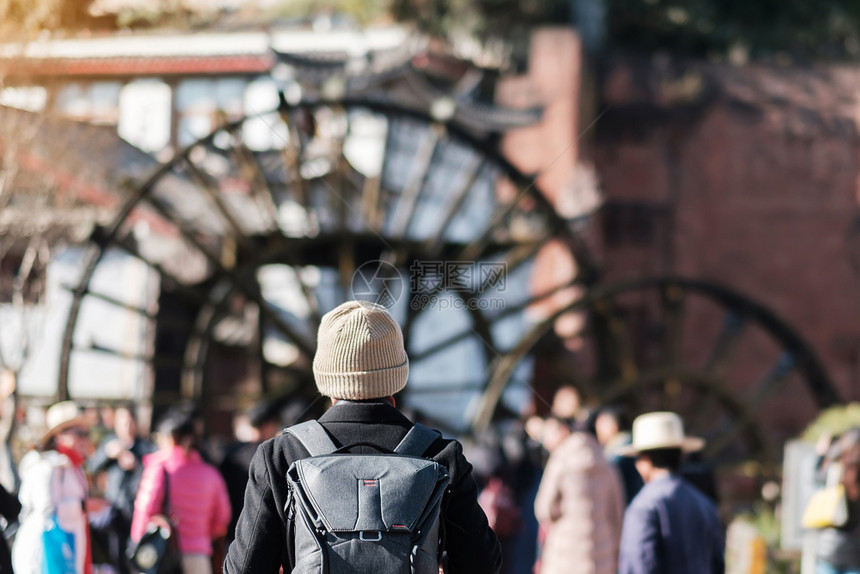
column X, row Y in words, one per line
column 576, row 491
column 91, row 488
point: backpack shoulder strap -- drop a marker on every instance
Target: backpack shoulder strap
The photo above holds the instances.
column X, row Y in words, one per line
column 417, row 440
column 313, row 437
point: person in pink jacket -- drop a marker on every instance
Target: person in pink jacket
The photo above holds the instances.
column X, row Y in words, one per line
column 197, row 496
column 579, row 504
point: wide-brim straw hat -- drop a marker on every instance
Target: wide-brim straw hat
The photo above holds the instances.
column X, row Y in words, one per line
column 61, row 416
column 660, row 430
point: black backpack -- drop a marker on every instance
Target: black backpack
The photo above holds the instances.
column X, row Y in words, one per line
column 373, row 513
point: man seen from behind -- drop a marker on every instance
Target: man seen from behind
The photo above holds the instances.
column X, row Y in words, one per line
column 669, row 527
column 360, row 363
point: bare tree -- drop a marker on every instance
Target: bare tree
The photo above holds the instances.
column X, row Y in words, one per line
column 44, row 164
column 24, row 252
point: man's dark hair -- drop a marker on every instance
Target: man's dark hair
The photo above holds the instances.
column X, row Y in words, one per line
column 668, row 458
column 178, row 424
column 618, row 414
column 262, row 413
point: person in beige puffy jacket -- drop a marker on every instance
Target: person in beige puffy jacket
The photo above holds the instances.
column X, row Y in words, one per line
column 579, row 504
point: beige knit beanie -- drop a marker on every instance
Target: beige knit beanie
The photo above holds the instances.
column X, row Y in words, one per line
column 360, row 353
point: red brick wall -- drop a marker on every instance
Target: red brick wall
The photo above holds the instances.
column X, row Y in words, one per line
column 750, row 177
column 742, row 176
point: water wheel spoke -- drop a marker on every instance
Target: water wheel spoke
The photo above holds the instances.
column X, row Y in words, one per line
column 187, row 233
column 697, row 418
column 346, row 269
column 168, row 280
column 441, row 387
column 288, row 257
column 761, row 391
column 373, row 196
column 490, row 274
column 455, row 200
column 702, row 411
column 261, row 190
column 343, row 200
column 289, row 254
column 496, row 272
column 293, row 154
column 113, row 301
column 442, row 345
column 160, row 361
column 191, row 380
column 512, row 309
column 727, row 343
column 502, row 371
column 344, row 207
column 477, row 247
column 617, row 357
column 729, row 436
column 210, row 189
column 271, row 315
column 508, row 311
column 771, row 382
column 371, row 192
column 416, row 181
column 672, row 307
column 261, row 355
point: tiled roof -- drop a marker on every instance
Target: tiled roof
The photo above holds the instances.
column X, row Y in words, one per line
column 137, row 66
column 210, row 52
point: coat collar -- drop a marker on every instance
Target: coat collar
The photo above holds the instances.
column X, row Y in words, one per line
column 373, row 411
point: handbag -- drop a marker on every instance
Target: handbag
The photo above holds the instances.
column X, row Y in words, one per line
column 157, row 551
column 828, row 507
column 58, row 547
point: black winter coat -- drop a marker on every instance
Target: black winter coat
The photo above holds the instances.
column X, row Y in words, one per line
column 261, row 545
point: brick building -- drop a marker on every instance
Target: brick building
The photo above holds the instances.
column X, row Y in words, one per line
column 745, row 176
column 739, row 176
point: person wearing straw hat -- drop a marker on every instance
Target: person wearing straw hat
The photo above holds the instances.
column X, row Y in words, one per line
column 360, row 363
column 54, row 535
column 669, row 527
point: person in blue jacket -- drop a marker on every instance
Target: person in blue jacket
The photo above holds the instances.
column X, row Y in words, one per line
column 669, row 527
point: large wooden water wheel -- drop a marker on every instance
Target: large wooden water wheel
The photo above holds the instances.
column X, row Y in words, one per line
column 357, row 196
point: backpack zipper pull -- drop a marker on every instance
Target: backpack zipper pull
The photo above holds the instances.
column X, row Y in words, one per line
column 289, row 507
